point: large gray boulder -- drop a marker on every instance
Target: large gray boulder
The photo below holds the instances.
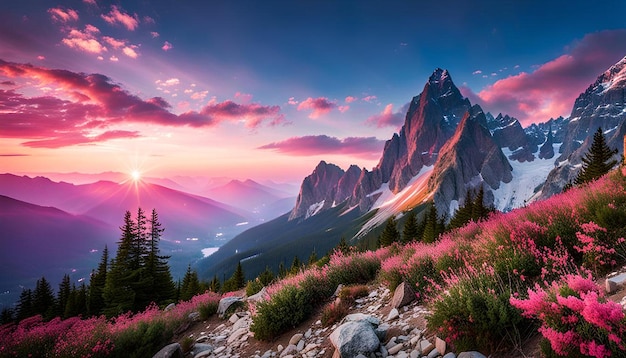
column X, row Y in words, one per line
column 170, row 351
column 225, row 303
column 355, row 337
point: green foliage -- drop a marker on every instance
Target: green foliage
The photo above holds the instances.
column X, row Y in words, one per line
column 141, row 341
column 390, row 233
column 343, row 246
column 472, row 209
column 96, row 285
column 352, row 292
column 433, row 225
column 411, row 230
column 284, row 311
column 236, row 281
column 295, row 266
column 208, row 309
column 475, row 314
column 43, row 299
column 190, row 286
column 253, row 287
column 312, row 258
column 597, row 161
column 187, row 344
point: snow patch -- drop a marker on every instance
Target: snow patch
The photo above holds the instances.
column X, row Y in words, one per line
column 314, row 209
column 209, row 251
column 527, row 176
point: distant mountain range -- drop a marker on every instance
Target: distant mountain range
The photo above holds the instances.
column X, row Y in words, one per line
column 446, row 147
column 52, row 228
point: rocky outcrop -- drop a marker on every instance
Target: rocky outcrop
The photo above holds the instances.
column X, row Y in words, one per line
column 317, row 191
column 547, row 148
column 468, row 159
column 602, row 105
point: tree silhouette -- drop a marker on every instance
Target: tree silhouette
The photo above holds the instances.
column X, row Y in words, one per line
column 410, row 232
column 390, row 233
column 597, row 161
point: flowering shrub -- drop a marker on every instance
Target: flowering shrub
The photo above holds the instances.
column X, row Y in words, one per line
column 575, row 318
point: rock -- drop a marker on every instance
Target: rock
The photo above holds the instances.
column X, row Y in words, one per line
column 395, row 349
column 219, row 350
column 402, row 354
column 300, row 345
column 200, row 348
column 471, row 354
column 290, row 349
column 381, row 331
column 258, row 297
column 355, row 317
column 203, row 354
column 225, row 303
column 234, row 318
column 280, row 348
column 354, row 337
column 170, row 351
column 403, row 295
column 236, row 335
column 194, row 316
column 440, row 345
column 434, row 353
column 372, row 294
column 383, row 351
column 426, row 346
column 308, row 333
column 612, row 283
column 393, row 314
column 295, row 338
column 243, row 322
column 169, row 307
column 203, row 338
column 337, row 290
column 450, row 355
column 414, row 354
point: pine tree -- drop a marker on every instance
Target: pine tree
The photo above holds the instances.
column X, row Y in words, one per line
column 282, row 271
column 390, row 233
column 190, row 286
column 433, row 226
column 25, row 305
column 214, row 285
column 343, row 246
column 63, row 295
column 410, row 230
column 119, row 293
column 597, row 161
column 312, row 258
column 7, row 315
column 95, row 301
column 43, row 299
column 295, row 266
column 239, row 278
column 463, row 214
column 266, row 277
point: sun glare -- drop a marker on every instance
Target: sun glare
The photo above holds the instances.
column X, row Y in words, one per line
column 136, row 175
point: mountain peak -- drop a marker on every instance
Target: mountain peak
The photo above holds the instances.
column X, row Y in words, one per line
column 439, row 75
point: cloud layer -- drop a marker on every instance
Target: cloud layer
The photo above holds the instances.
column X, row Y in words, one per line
column 320, row 106
column 366, row 147
column 550, row 90
column 79, row 108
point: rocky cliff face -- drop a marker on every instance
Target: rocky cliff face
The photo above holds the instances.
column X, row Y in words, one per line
column 603, row 105
column 470, row 159
column 318, row 190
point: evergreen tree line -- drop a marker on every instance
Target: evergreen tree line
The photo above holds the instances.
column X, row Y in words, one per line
column 432, row 225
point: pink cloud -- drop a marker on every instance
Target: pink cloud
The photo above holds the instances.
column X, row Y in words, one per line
column 320, row 106
column 169, row 82
column 41, row 58
column 84, row 40
column 60, row 15
column 550, row 90
column 387, row 118
column 116, row 44
column 117, row 16
column 292, row 101
column 370, row 98
column 113, row 58
column 366, row 147
column 350, row 99
column 81, row 108
column 167, row 46
column 154, row 34
column 90, row 2
column 243, row 97
column 343, row 109
column 130, row 52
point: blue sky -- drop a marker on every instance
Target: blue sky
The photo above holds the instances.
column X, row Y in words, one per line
column 205, row 87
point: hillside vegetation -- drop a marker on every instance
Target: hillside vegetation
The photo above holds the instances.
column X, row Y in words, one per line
column 488, row 285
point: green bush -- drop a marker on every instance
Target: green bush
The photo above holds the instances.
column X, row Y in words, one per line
column 253, row 287
column 286, row 309
column 334, row 312
column 208, row 309
column 143, row 341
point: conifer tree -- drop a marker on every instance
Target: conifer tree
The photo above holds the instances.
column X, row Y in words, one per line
column 214, row 284
column 95, row 301
column 295, row 266
column 433, row 225
column 597, row 161
column 463, row 214
column 343, row 246
column 43, row 299
column 190, row 286
column 119, row 293
column 266, row 277
column 239, row 278
column 282, row 271
column 25, row 305
column 390, row 233
column 312, row 258
column 63, row 295
column 77, row 302
column 7, row 315
column 410, row 231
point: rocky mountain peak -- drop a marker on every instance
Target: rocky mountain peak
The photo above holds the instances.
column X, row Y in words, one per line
column 317, row 191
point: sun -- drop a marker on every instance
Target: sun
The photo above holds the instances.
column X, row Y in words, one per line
column 136, row 175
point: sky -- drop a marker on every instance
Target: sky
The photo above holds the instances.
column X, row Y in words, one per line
column 267, row 89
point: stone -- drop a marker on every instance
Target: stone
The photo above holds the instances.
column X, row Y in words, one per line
column 383, row 351
column 471, row 354
column 236, row 335
column 393, row 314
column 295, row 338
column 234, row 318
column 373, row 294
column 243, row 322
column 194, row 316
column 355, row 317
column 414, row 354
column 201, row 347
column 381, row 331
column 308, row 333
column 339, row 288
column 203, row 354
column 225, row 303
column 280, row 348
column 169, row 307
column 450, row 355
column 354, row 337
column 300, row 345
column 440, row 345
column 219, row 350
column 395, row 349
column 392, row 342
column 170, row 351
column 309, row 347
column 402, row 354
column 290, row 349
column 434, row 353
column 203, row 338
column 426, row 346
column 403, row 295
column 613, row 283
column 258, row 297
